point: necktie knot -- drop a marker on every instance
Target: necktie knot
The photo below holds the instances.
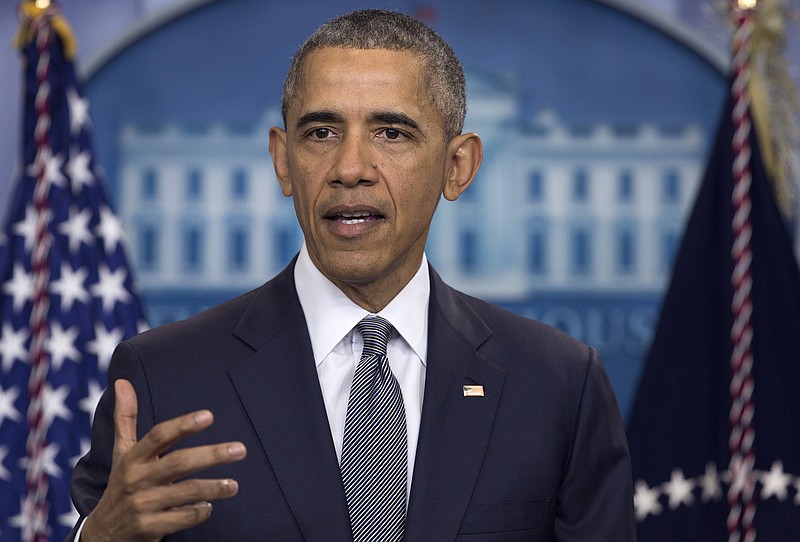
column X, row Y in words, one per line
column 375, row 331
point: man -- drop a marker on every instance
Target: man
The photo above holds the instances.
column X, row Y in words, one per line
column 494, row 427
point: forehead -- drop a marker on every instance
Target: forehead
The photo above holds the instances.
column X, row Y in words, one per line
column 362, row 79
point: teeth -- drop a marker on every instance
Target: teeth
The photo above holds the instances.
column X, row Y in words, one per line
column 357, row 217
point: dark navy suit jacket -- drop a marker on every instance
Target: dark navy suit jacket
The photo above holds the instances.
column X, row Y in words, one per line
column 541, row 456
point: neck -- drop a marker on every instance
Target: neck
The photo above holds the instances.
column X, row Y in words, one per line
column 375, row 296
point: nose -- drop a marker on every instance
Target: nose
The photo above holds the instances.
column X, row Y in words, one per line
column 354, row 162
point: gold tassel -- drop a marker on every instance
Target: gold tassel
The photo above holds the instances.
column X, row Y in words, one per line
column 775, row 104
column 30, row 12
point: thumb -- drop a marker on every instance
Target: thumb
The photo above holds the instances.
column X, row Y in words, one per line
column 125, row 412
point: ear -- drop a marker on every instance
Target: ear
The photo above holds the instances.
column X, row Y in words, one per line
column 280, row 159
column 465, row 154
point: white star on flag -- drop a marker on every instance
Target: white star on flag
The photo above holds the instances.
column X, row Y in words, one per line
column 26, row 228
column 51, row 165
column 712, row 489
column 20, row 287
column 61, row 345
column 775, row 482
column 89, row 403
column 110, row 287
column 70, row 286
column 645, row 501
column 85, row 446
column 54, row 404
column 78, row 170
column 12, row 346
column 27, row 521
column 46, row 462
column 110, row 229
column 5, row 474
column 76, row 228
column 679, row 490
column 49, row 460
column 70, row 518
column 7, row 409
column 103, row 344
column 78, row 111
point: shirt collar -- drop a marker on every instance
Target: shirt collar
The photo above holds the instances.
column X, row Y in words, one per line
column 330, row 314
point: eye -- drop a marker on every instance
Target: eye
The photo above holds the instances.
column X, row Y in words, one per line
column 321, row 133
column 392, row 133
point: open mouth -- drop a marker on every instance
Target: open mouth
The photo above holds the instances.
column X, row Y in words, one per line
column 357, row 217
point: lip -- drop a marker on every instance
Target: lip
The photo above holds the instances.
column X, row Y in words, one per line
column 352, row 220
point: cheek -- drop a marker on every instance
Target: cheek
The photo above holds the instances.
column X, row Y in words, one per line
column 304, row 186
column 304, row 203
column 421, row 197
column 426, row 186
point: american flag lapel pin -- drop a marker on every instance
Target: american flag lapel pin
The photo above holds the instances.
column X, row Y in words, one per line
column 473, row 391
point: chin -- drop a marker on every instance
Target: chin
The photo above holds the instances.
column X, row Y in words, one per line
column 353, row 268
column 355, row 275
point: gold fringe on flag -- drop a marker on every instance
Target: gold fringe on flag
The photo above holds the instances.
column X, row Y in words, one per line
column 775, row 103
column 30, row 12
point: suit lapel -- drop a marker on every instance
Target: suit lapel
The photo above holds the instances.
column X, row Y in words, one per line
column 455, row 429
column 279, row 389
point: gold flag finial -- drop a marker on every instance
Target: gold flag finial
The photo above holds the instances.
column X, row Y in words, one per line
column 32, row 13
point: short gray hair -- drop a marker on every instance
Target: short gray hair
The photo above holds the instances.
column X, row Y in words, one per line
column 382, row 29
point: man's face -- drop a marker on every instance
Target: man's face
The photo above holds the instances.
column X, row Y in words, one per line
column 365, row 158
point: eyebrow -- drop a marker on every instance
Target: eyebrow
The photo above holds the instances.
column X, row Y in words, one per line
column 318, row 116
column 390, row 117
column 387, row 117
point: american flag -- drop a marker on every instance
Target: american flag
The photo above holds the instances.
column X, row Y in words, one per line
column 713, row 432
column 66, row 294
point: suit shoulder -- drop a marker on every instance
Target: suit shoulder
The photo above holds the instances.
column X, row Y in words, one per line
column 526, row 334
column 209, row 323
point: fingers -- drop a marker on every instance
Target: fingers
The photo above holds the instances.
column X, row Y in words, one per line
column 125, row 414
column 183, row 462
column 163, row 435
column 154, row 526
column 159, row 507
column 181, row 505
column 180, row 518
column 182, row 494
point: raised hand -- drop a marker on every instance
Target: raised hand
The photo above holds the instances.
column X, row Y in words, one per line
column 142, row 500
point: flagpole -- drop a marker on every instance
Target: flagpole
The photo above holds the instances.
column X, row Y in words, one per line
column 741, row 502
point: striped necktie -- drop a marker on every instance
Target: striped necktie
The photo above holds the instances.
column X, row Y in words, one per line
column 374, row 449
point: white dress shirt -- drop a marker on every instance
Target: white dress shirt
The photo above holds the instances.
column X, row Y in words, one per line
column 331, row 318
